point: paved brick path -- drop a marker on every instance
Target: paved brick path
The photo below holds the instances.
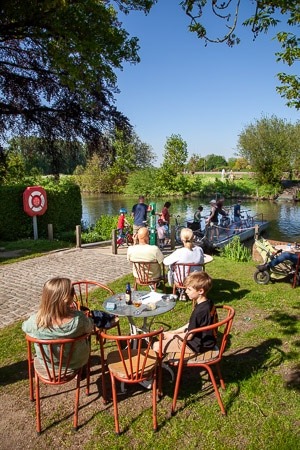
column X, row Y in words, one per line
column 21, row 282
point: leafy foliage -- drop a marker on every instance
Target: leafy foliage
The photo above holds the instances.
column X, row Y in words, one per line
column 58, row 60
column 236, row 251
column 64, row 211
column 102, row 230
column 271, row 145
column 266, row 14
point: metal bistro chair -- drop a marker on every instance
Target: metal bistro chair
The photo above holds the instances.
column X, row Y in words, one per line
column 205, row 360
column 54, row 366
column 181, row 271
column 83, row 294
column 144, row 277
column 134, row 362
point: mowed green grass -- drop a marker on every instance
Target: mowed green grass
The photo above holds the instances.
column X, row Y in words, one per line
column 261, row 368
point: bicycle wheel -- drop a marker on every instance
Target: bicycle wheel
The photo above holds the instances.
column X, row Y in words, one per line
column 120, row 241
column 129, row 239
column 177, row 234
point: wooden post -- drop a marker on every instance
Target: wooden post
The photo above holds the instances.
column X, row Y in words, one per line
column 172, row 237
column 50, row 231
column 114, row 248
column 256, row 232
column 78, row 235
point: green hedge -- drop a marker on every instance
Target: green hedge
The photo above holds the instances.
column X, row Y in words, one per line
column 64, row 211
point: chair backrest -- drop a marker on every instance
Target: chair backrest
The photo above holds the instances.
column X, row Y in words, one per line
column 83, row 292
column 182, row 270
column 221, row 328
column 134, row 359
column 144, row 271
column 53, row 362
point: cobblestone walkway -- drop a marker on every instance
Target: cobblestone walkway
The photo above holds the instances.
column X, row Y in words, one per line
column 21, row 283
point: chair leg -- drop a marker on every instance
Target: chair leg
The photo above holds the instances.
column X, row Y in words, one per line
column 37, row 405
column 222, row 383
column 77, row 395
column 211, row 375
column 296, row 273
column 103, row 365
column 30, row 376
column 88, row 377
column 119, row 329
column 176, row 389
column 115, row 402
column 154, row 401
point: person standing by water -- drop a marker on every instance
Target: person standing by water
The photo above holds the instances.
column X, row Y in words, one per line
column 213, row 220
column 237, row 212
column 165, row 215
column 139, row 214
column 197, row 216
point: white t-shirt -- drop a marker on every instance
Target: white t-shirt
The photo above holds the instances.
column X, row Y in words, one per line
column 186, row 256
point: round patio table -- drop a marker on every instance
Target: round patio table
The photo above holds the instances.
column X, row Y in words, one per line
column 132, row 312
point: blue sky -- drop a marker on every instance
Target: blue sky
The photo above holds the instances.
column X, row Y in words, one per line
column 206, row 94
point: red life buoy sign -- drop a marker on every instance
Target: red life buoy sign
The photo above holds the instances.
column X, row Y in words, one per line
column 35, row 201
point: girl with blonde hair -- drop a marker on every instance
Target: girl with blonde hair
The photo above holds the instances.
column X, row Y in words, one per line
column 57, row 319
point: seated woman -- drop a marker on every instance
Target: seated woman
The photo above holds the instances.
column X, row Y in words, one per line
column 188, row 254
column 56, row 319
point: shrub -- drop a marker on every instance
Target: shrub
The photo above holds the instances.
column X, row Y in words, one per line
column 236, row 251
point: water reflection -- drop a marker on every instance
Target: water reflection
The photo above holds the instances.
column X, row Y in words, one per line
column 284, row 217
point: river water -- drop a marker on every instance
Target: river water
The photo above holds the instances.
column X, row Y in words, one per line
column 284, row 217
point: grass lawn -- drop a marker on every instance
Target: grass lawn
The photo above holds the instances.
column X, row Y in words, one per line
column 261, row 369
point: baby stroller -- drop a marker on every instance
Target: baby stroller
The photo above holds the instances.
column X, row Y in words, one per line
column 284, row 270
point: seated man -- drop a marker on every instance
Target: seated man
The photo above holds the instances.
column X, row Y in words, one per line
column 143, row 252
column 293, row 257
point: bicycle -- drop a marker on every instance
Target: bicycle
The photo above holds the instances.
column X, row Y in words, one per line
column 246, row 222
column 125, row 238
column 178, row 228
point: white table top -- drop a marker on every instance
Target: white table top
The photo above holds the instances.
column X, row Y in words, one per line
column 122, row 309
column 287, row 248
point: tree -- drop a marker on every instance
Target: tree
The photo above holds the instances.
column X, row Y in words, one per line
column 57, row 61
column 196, row 163
column 215, row 162
column 270, row 145
column 266, row 14
column 175, row 154
column 35, row 154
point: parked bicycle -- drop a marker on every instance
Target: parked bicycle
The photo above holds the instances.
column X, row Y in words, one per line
column 126, row 238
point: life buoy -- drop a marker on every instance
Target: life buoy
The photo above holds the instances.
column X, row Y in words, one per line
column 35, row 201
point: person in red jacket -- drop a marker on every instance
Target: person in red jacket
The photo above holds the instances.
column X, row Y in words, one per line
column 122, row 222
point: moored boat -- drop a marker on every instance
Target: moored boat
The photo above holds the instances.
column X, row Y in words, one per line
column 217, row 236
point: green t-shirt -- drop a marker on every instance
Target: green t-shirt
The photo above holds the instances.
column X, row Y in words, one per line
column 78, row 326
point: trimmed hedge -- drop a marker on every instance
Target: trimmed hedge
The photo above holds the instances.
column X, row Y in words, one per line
column 64, row 211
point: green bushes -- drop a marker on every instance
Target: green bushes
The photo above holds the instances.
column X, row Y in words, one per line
column 102, row 230
column 236, row 251
column 64, row 211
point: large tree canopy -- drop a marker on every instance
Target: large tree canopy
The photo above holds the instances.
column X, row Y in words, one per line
column 266, row 14
column 271, row 145
column 57, row 62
